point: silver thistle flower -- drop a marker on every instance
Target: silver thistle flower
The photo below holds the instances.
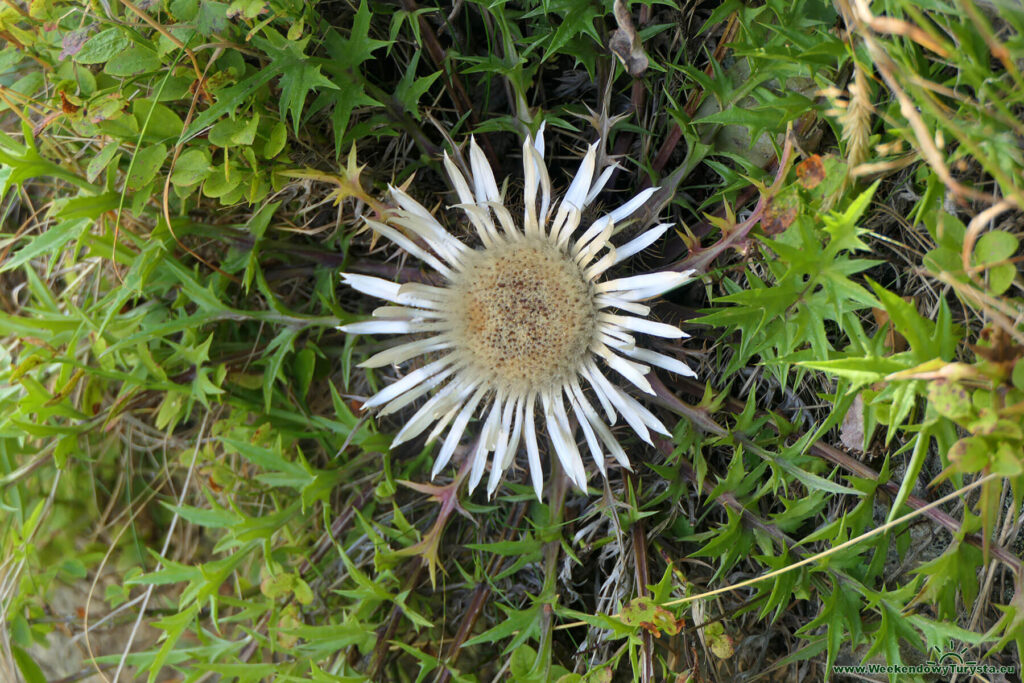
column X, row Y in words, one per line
column 520, row 321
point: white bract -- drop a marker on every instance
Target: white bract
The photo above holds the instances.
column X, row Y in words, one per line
column 521, row 324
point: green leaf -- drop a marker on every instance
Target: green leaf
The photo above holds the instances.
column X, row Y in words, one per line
column 174, row 626
column 50, row 242
column 157, row 121
column 193, row 167
column 276, row 140
column 859, row 371
column 994, row 250
column 576, row 19
column 281, row 472
column 28, row 667
column 212, row 17
column 223, row 180
column 232, row 133
column 228, row 100
column 843, row 226
column 299, row 76
column 410, row 89
column 135, row 60
column 304, row 364
column 949, row 399
column 145, row 164
column 101, row 160
column 995, row 246
column 103, row 46
column 348, row 53
column 327, row 641
column 217, row 518
column 918, row 330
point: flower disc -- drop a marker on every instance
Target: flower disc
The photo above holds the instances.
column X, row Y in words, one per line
column 523, row 315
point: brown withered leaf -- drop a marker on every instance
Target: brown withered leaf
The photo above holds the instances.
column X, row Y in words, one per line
column 851, row 433
column 893, row 339
column 72, row 42
column 66, row 105
column 810, row 172
column 625, row 43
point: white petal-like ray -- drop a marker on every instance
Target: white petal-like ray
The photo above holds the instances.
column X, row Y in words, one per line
column 424, row 296
column 606, row 301
column 408, row 382
column 641, row 242
column 606, row 405
column 476, row 471
column 588, row 432
column 646, row 416
column 598, row 227
column 517, row 434
column 626, row 210
column 612, row 336
column 406, row 313
column 532, row 452
column 660, row 360
column 644, row 286
column 602, row 265
column 504, row 218
column 426, row 385
column 576, row 196
column 561, row 440
column 617, row 397
column 446, row 416
column 599, row 184
column 641, row 325
column 403, row 352
column 480, row 217
column 484, row 187
column 456, row 431
column 565, row 445
column 458, row 181
column 411, row 247
column 531, row 178
column 575, row 199
column 610, row 442
column 443, row 244
column 392, row 326
column 395, row 292
column 545, row 190
column 634, row 372
column 450, row 397
column 501, row 445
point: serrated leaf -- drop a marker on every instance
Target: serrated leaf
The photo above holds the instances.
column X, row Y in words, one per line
column 410, row 89
column 859, row 371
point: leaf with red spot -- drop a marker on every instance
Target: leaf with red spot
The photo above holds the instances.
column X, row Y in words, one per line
column 810, row 172
column 645, row 614
column 780, row 211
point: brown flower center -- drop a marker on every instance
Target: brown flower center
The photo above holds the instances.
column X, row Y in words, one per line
column 523, row 314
